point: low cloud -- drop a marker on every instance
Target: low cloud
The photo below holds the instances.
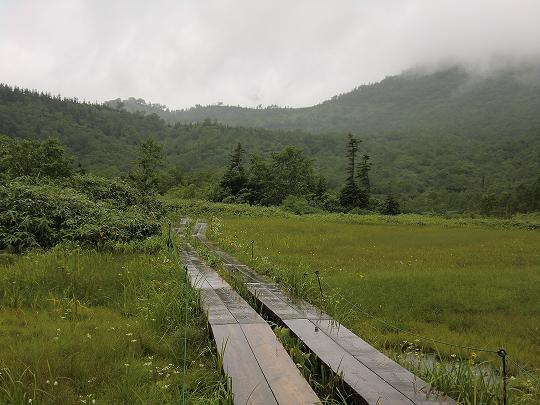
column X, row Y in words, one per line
column 181, row 53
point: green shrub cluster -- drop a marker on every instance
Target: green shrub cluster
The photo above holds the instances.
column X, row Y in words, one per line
column 206, row 209
column 41, row 214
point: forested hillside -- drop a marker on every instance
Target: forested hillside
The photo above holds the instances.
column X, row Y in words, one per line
column 435, row 141
column 452, row 101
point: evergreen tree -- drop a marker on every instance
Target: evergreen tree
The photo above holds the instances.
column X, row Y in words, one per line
column 391, row 206
column 363, row 175
column 234, row 180
column 487, row 205
column 149, row 161
column 351, row 195
column 321, row 187
column 291, row 174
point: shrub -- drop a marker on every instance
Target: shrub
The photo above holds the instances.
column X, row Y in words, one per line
column 299, row 205
column 34, row 215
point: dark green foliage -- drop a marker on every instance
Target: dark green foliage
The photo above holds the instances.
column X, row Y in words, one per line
column 391, row 206
column 525, row 198
column 40, row 215
column 234, row 180
column 300, row 205
column 363, row 175
column 352, row 196
column 116, row 191
column 268, row 180
column 149, row 161
column 42, row 202
column 432, row 138
column 447, row 102
column 291, row 174
column 33, row 158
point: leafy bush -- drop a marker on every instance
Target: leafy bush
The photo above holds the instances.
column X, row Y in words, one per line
column 299, row 205
column 206, row 209
column 34, row 215
column 100, row 188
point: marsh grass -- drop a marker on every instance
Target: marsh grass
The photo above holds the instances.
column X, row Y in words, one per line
column 468, row 285
column 84, row 327
column 328, row 385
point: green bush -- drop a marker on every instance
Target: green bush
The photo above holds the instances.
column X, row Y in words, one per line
column 34, row 215
column 299, row 205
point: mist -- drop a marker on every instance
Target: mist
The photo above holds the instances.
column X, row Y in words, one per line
column 249, row 53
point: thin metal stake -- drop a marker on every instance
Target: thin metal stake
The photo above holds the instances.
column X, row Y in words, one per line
column 169, row 241
column 502, row 354
column 319, row 280
column 252, row 242
column 322, row 296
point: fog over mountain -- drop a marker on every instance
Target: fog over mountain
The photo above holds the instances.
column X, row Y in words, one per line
column 250, row 53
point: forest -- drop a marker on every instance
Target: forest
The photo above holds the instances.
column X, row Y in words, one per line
column 479, row 166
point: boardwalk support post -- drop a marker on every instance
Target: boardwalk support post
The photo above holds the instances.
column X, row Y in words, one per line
column 502, row 354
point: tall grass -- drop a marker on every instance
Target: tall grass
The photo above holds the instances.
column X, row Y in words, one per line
column 467, row 285
column 85, row 327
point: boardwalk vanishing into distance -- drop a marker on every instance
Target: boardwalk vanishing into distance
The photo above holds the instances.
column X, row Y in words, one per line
column 373, row 376
column 259, row 367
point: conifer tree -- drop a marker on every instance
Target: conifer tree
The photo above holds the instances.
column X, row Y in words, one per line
column 363, row 175
column 150, row 159
column 234, row 180
column 351, row 195
column 391, row 206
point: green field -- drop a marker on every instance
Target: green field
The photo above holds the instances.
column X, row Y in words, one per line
column 86, row 327
column 466, row 285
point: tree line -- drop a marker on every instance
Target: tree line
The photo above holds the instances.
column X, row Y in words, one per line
column 427, row 172
column 288, row 178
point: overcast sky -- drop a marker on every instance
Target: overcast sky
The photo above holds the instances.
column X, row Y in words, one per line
column 249, row 52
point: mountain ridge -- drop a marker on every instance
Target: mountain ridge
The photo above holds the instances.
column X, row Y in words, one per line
column 432, row 163
column 447, row 100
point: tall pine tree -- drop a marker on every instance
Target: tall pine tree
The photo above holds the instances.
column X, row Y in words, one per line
column 234, row 180
column 351, row 195
column 363, row 175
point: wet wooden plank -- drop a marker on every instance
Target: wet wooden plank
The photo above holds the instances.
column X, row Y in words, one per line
column 286, row 382
column 240, row 309
column 259, row 367
column 367, row 384
column 394, row 374
column 249, row 384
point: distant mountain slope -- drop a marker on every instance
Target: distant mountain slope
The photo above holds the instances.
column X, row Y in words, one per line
column 450, row 101
column 485, row 137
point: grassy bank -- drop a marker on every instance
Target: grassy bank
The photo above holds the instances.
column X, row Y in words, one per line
column 86, row 327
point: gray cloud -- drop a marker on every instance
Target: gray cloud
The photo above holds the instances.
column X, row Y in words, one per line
column 250, row 52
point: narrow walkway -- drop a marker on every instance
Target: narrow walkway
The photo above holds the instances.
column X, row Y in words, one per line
column 260, row 369
column 374, row 376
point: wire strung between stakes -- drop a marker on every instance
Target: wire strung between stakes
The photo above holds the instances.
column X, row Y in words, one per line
column 524, row 370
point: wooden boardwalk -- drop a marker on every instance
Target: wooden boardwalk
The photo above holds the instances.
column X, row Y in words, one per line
column 371, row 374
column 259, row 367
